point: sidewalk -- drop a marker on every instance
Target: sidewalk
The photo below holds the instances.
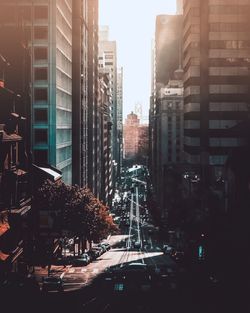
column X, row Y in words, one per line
column 60, row 270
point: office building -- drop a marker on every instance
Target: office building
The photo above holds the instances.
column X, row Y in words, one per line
column 105, row 97
column 179, row 7
column 120, row 117
column 168, row 41
column 48, row 26
column 80, row 92
column 108, row 60
column 94, row 168
column 216, row 52
column 131, row 136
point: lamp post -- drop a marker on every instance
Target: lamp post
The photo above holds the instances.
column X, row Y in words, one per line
column 4, row 64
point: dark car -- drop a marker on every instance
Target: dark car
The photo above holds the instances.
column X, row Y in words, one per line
column 167, row 249
column 99, row 250
column 81, row 260
column 106, row 245
column 93, row 254
column 67, row 260
column 178, row 256
column 51, row 283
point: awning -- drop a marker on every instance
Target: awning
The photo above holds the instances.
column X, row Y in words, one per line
column 49, row 172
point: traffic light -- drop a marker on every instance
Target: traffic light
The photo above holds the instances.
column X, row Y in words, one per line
column 201, row 254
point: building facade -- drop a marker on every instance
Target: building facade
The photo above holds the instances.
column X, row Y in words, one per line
column 16, row 227
column 108, row 60
column 105, row 135
column 216, row 54
column 48, row 27
column 168, row 42
column 94, row 168
column 120, row 117
column 80, row 93
column 131, row 133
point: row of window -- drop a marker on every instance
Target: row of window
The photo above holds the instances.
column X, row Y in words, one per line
column 40, row 12
column 229, row 27
column 229, row 44
column 229, row 9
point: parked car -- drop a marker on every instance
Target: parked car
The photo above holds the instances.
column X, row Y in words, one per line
column 99, row 249
column 106, row 245
column 81, row 260
column 103, row 247
column 167, row 249
column 65, row 260
column 93, row 254
column 51, row 283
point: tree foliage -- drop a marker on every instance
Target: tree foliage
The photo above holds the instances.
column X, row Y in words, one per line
column 77, row 211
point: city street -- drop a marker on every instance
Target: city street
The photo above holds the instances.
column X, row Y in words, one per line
column 75, row 278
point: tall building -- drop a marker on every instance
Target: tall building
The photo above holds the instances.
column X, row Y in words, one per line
column 216, row 53
column 179, row 7
column 168, row 41
column 165, row 124
column 169, row 127
column 108, row 60
column 120, row 116
column 143, row 144
column 94, row 168
column 80, row 92
column 131, row 133
column 105, row 97
column 48, row 25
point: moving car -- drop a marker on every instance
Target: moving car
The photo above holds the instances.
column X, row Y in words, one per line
column 51, row 283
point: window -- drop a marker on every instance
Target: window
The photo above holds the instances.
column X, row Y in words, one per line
column 109, row 57
column 41, row 136
column 25, row 12
column 228, row 27
column 41, row 73
column 109, row 63
column 41, row 32
column 41, row 115
column 41, row 12
column 41, row 94
column 41, row 157
column 40, row 53
column 27, row 33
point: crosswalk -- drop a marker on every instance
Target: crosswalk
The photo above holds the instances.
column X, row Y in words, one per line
column 73, row 270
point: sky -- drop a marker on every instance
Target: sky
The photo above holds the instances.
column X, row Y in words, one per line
column 132, row 24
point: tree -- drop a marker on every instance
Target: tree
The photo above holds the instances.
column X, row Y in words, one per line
column 77, row 211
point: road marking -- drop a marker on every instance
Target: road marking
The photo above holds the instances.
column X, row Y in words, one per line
column 71, row 284
column 83, row 270
column 95, row 270
column 61, row 276
column 90, row 301
column 71, row 270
